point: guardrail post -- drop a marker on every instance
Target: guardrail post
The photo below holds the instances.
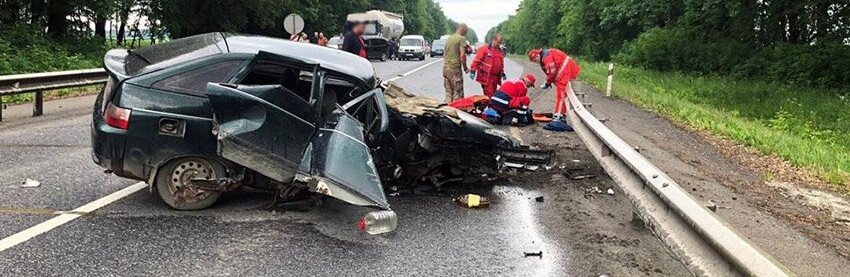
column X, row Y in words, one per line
column 38, row 103
column 610, row 79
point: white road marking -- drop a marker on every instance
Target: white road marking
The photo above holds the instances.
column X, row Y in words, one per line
column 57, row 221
column 414, row 70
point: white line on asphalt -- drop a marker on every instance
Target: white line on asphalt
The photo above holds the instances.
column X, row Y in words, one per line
column 414, row 70
column 57, row 221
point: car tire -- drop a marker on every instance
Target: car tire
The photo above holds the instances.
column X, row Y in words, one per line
column 422, row 58
column 177, row 172
column 384, row 57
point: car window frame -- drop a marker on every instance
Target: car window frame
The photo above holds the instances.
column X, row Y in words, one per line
column 147, row 80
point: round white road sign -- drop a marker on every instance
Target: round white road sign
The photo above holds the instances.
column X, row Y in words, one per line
column 293, row 23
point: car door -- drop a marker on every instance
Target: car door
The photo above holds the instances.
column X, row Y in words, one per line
column 341, row 163
column 263, row 127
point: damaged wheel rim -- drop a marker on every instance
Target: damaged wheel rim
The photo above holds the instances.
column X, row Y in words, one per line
column 182, row 176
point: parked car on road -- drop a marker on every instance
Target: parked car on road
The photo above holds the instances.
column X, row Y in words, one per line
column 437, row 47
column 412, row 47
column 202, row 115
column 335, row 42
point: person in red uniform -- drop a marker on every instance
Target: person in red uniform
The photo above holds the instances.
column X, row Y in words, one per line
column 559, row 69
column 488, row 67
column 513, row 95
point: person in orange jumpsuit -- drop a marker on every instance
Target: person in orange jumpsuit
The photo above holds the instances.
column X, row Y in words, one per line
column 560, row 69
column 488, row 67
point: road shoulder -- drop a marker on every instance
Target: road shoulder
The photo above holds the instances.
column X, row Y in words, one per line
column 777, row 216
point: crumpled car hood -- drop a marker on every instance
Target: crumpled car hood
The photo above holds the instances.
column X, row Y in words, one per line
column 444, row 122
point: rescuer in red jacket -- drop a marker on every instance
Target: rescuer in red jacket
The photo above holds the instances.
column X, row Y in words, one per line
column 488, row 67
column 559, row 69
column 513, row 94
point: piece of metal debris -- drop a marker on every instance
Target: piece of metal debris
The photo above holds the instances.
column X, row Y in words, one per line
column 610, row 191
column 582, row 177
column 539, row 199
column 713, row 206
column 533, row 254
column 577, row 174
column 30, row 183
column 472, row 201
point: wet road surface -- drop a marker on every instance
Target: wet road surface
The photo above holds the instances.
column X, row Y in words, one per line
column 580, row 234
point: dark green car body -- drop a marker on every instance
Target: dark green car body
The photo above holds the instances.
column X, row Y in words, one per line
column 173, row 91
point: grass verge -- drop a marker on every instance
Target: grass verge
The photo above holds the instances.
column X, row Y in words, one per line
column 809, row 127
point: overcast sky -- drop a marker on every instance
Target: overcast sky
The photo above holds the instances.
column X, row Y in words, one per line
column 480, row 15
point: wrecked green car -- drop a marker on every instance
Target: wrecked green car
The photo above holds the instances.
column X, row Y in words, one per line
column 202, row 115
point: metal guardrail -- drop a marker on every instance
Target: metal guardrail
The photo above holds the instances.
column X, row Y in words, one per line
column 37, row 83
column 701, row 240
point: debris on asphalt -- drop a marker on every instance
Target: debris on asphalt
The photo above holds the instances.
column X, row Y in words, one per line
column 577, row 174
column 576, row 161
column 610, row 191
column 588, row 193
column 713, row 206
column 472, row 201
column 539, row 199
column 533, row 254
column 582, row 177
column 30, row 183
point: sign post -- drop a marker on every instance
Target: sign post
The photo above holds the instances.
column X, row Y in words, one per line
column 610, row 79
column 293, row 24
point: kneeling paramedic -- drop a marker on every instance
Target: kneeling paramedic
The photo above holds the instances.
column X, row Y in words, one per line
column 511, row 101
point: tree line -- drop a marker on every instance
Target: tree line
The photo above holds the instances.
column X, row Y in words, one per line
column 64, row 19
column 793, row 41
column 48, row 35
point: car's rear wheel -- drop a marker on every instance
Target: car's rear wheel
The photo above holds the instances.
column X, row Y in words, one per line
column 173, row 179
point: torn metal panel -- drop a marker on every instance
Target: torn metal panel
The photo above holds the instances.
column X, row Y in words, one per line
column 343, row 164
column 251, row 132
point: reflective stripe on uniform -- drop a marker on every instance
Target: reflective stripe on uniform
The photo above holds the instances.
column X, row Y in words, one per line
column 500, row 100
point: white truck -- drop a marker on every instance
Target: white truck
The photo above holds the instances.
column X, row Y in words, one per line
column 386, row 24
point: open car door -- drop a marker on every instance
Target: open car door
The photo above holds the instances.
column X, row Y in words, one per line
column 279, row 134
column 342, row 164
column 265, row 128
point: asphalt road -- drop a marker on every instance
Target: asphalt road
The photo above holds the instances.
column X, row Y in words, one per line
column 579, row 233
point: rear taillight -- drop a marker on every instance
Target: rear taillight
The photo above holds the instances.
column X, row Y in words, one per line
column 378, row 222
column 116, row 116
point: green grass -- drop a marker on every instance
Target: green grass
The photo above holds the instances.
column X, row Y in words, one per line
column 809, row 127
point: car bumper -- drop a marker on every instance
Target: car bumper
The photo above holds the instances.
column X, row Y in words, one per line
column 107, row 145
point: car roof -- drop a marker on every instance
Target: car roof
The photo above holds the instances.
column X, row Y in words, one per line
column 413, row 36
column 128, row 63
column 328, row 58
